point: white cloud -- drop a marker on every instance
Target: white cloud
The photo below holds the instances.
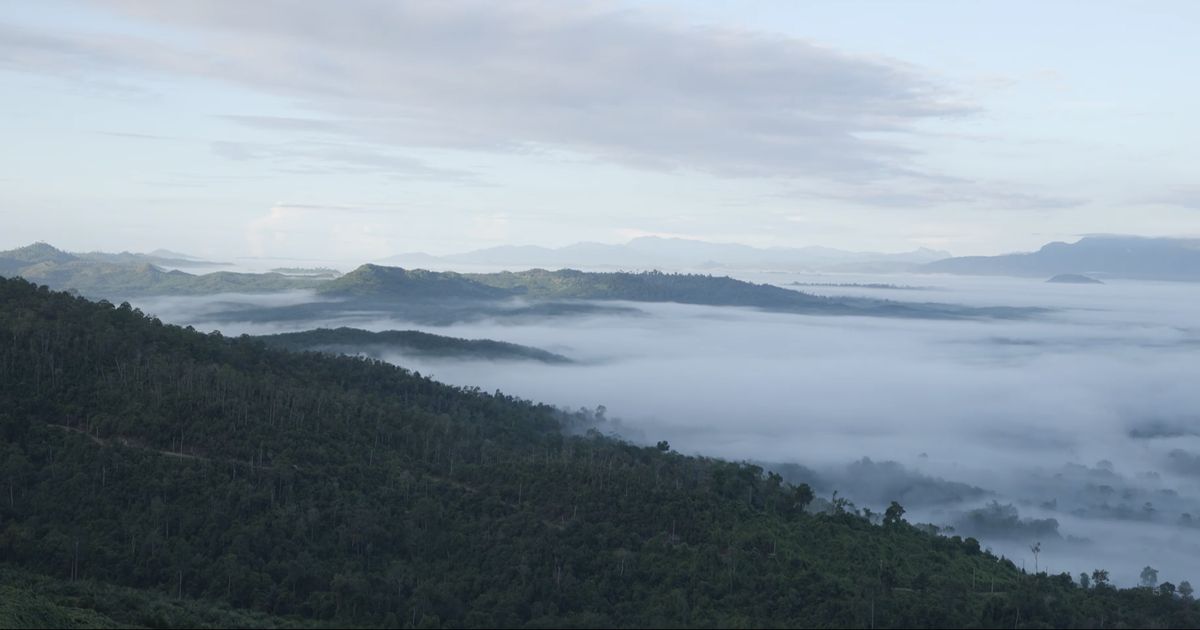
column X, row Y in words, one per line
column 618, row 85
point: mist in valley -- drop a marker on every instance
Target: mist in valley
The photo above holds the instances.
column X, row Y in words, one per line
column 1078, row 428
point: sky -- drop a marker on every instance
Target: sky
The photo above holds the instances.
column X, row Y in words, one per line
column 358, row 130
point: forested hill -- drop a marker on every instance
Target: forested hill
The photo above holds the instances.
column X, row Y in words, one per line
column 446, row 296
column 539, row 284
column 372, row 284
column 646, row 287
column 99, row 274
column 253, row 486
column 374, row 281
column 408, row 343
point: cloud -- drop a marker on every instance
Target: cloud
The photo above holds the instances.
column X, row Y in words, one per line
column 1188, row 198
column 915, row 190
column 332, row 157
column 284, row 123
column 340, row 231
column 625, row 86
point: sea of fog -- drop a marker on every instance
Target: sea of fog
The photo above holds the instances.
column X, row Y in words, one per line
column 1078, row 428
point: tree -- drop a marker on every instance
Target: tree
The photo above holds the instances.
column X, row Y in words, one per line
column 1084, row 582
column 1185, row 589
column 1149, row 577
column 893, row 515
column 1167, row 588
column 663, row 446
column 1037, row 550
column 1100, row 577
column 802, row 496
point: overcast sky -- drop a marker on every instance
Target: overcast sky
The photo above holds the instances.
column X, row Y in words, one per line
column 355, row 130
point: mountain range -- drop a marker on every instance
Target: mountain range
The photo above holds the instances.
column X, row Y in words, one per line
column 124, row 275
column 445, row 296
column 1112, row 256
column 374, row 286
column 1131, row 257
column 652, row 252
column 43, row 252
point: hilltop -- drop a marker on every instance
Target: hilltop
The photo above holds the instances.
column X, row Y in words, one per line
column 374, row 281
column 410, row 343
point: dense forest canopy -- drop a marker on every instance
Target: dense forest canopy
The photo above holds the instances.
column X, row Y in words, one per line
column 155, row 475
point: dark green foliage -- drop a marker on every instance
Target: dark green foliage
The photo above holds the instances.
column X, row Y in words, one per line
column 224, row 473
column 29, row 600
column 24, row 608
column 407, row 342
column 893, row 515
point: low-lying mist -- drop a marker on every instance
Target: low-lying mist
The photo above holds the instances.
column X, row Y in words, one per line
column 1079, row 429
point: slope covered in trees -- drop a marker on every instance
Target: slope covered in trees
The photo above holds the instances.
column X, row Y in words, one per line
column 99, row 274
column 374, row 285
column 236, row 477
column 374, row 281
column 409, row 343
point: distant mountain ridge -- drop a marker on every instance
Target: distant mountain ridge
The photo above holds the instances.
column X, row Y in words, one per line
column 375, row 286
column 42, row 252
column 438, row 297
column 652, row 252
column 1131, row 257
column 126, row 274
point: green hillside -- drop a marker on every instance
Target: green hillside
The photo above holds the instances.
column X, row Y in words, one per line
column 408, row 342
column 132, row 275
column 236, row 477
column 645, row 287
column 31, row 600
column 565, row 284
column 374, row 281
column 37, row 253
column 370, row 285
